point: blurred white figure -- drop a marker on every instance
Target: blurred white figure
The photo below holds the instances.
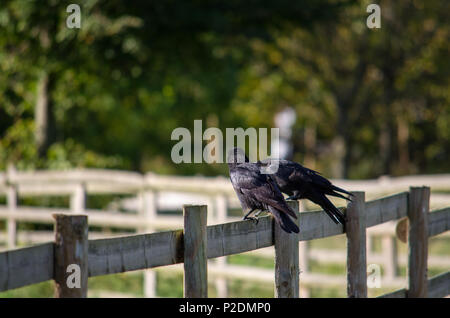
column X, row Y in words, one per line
column 284, row 120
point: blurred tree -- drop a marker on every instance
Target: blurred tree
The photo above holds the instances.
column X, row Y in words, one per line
column 360, row 92
column 133, row 71
column 109, row 94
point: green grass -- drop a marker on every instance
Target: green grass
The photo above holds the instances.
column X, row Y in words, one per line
column 338, row 242
column 253, row 260
column 331, row 269
column 130, row 283
column 248, row 289
column 41, row 290
column 169, row 284
column 439, row 245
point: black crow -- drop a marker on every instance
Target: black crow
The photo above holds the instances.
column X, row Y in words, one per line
column 257, row 191
column 302, row 183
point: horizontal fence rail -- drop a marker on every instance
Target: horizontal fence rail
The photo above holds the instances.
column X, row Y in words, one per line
column 25, row 266
column 110, row 181
column 378, row 211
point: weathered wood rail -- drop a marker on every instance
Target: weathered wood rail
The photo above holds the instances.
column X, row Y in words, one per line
column 25, row 266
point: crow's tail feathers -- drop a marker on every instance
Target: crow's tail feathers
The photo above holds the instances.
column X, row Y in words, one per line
column 334, row 213
column 283, row 220
column 335, row 190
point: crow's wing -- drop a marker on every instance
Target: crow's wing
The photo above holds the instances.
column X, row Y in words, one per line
column 269, row 194
column 299, row 174
column 290, row 171
column 245, row 176
column 325, row 184
column 304, row 175
column 248, row 179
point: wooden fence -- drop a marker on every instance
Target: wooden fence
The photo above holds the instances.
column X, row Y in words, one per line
column 199, row 242
column 149, row 192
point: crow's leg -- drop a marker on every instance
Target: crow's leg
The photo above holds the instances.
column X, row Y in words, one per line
column 256, row 218
column 296, row 195
column 293, row 197
column 247, row 217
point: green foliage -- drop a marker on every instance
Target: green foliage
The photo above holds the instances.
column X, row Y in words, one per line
column 371, row 101
column 16, row 145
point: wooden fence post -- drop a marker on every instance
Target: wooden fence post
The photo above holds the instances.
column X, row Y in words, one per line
column 303, row 247
column 419, row 205
column 356, row 247
column 220, row 204
column 148, row 211
column 71, row 256
column 287, row 260
column 303, row 252
column 195, row 257
column 11, row 198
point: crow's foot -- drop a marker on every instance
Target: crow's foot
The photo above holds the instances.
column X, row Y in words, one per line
column 251, row 218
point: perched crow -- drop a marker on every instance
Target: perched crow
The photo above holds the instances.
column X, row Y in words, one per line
column 302, row 183
column 258, row 191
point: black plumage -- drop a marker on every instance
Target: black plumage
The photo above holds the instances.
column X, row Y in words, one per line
column 257, row 191
column 302, row 183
